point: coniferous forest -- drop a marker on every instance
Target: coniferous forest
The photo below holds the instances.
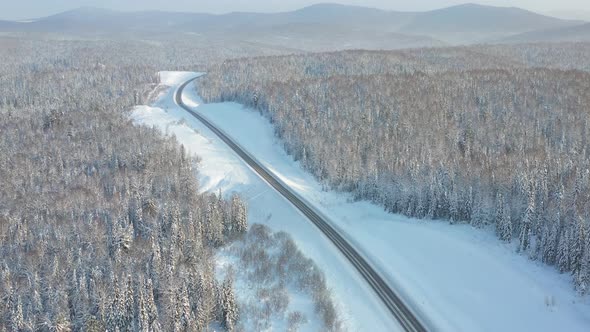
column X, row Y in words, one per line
column 102, row 226
column 491, row 135
column 102, row 223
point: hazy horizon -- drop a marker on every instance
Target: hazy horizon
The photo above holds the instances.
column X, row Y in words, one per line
column 29, row 9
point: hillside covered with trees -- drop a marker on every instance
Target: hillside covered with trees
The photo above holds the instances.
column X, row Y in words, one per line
column 494, row 136
column 102, row 223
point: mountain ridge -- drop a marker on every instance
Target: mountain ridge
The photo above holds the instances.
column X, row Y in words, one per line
column 577, row 33
column 460, row 24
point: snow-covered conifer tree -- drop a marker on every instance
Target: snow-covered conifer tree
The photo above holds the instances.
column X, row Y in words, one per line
column 526, row 225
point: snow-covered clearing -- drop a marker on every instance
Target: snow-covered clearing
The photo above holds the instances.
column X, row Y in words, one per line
column 461, row 279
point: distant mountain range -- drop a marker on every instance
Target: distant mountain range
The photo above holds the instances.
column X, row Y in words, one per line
column 578, row 33
column 583, row 15
column 321, row 26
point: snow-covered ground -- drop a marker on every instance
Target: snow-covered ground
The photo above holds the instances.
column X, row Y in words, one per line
column 268, row 297
column 459, row 278
column 220, row 168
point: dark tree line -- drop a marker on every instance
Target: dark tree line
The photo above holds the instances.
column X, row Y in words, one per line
column 494, row 136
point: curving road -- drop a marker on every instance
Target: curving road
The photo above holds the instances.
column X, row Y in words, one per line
column 407, row 319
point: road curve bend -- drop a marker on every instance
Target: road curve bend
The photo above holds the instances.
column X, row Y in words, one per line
column 403, row 314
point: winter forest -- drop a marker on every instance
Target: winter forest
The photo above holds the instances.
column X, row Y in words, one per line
column 102, row 224
column 493, row 136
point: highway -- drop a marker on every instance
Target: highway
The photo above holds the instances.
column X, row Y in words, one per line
column 402, row 313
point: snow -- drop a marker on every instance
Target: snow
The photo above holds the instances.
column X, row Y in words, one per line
column 458, row 278
column 222, row 169
column 246, row 292
column 173, row 78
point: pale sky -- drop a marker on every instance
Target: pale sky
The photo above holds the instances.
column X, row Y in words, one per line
column 23, row 9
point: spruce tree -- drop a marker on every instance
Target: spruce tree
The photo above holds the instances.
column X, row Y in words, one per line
column 549, row 240
column 128, row 314
column 151, row 308
column 583, row 279
column 563, row 255
column 142, row 319
column 214, row 223
column 527, row 223
column 17, row 321
column 114, row 318
column 239, row 216
column 499, row 212
column 229, row 305
column 186, row 314
column 505, row 225
column 454, row 207
column 576, row 250
column 479, row 215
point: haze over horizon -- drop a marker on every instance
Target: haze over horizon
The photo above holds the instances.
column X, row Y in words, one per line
column 28, row 9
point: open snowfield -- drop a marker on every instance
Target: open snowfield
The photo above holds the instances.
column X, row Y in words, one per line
column 459, row 278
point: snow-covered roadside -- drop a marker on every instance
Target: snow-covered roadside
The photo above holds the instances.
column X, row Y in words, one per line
column 277, row 287
column 461, row 279
column 220, row 168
